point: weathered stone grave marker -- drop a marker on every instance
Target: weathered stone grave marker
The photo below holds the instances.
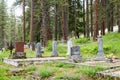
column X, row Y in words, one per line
column 75, row 54
column 19, row 51
column 69, row 44
column 38, row 50
column 32, row 46
column 54, row 49
column 100, row 55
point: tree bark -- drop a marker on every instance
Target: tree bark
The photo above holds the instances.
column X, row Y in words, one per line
column 96, row 21
column 119, row 18
column 44, row 22
column 112, row 18
column 56, row 22
column 84, row 17
column 64, row 23
column 103, row 20
column 91, row 17
column 31, row 21
column 23, row 20
column 75, row 21
column 87, row 20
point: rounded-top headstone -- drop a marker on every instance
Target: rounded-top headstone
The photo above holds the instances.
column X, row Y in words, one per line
column 54, row 49
column 38, row 50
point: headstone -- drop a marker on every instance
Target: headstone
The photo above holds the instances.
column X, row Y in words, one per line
column 54, row 49
column 32, row 46
column 75, row 54
column 38, row 50
column 19, row 51
column 19, row 46
column 100, row 55
column 69, row 44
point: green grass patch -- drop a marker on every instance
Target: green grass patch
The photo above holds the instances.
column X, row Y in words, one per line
column 64, row 65
column 90, row 71
column 68, row 76
column 81, row 40
column 46, row 72
column 30, row 68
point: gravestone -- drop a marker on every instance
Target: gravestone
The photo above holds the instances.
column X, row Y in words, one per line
column 69, row 44
column 32, row 46
column 100, row 55
column 75, row 54
column 38, row 50
column 54, row 49
column 19, row 51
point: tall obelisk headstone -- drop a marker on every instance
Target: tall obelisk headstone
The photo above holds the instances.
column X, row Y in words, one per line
column 69, row 44
column 100, row 55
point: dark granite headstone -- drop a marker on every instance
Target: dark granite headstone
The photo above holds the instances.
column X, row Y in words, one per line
column 75, row 54
column 54, row 49
column 19, row 51
column 38, row 50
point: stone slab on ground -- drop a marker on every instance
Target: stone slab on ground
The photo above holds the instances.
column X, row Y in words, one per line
column 18, row 62
column 105, row 64
column 114, row 74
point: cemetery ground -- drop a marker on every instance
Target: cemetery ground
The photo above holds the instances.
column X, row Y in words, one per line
column 60, row 70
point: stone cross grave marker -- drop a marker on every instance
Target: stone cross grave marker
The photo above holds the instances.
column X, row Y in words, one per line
column 54, row 49
column 69, row 44
column 38, row 50
column 75, row 54
column 100, row 55
column 19, row 50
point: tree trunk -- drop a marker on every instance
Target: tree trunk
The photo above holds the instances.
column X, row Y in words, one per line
column 119, row 18
column 56, row 22
column 96, row 21
column 31, row 21
column 112, row 18
column 87, row 20
column 75, row 21
column 91, row 17
column 23, row 20
column 44, row 22
column 84, row 17
column 103, row 21
column 64, row 23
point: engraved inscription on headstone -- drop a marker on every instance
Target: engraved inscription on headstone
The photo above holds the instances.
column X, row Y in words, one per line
column 54, row 49
column 69, row 44
column 100, row 55
column 75, row 54
column 38, row 50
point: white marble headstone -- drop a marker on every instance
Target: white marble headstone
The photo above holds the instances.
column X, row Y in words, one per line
column 69, row 45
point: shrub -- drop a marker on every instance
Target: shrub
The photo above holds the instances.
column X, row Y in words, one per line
column 81, row 40
column 49, row 46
